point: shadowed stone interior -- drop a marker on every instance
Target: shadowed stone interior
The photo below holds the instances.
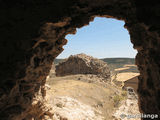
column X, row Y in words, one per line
column 33, row 33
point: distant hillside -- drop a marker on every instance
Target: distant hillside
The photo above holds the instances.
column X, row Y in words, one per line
column 56, row 61
column 114, row 63
column 119, row 60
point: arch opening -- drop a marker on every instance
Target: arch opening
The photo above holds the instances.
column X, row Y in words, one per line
column 29, row 47
column 92, row 40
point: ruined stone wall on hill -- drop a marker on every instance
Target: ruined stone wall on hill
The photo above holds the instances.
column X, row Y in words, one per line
column 83, row 64
column 33, row 33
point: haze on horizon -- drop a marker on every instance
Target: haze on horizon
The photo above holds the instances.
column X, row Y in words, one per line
column 102, row 38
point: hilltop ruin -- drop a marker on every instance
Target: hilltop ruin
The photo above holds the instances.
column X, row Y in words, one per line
column 83, row 64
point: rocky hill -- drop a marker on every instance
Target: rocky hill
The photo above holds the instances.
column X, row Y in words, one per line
column 83, row 64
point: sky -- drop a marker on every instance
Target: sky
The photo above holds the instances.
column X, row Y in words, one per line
column 102, row 38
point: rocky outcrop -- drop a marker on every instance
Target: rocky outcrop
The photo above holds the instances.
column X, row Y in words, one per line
column 83, row 64
column 129, row 107
column 66, row 108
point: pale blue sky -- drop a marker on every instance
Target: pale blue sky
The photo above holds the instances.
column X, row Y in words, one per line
column 102, row 38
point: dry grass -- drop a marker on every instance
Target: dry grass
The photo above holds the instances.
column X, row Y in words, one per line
column 90, row 93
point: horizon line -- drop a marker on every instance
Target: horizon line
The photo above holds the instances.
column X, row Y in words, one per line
column 103, row 58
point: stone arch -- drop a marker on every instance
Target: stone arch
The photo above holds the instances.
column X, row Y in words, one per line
column 33, row 33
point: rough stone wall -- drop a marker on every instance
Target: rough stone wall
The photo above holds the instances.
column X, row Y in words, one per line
column 32, row 35
column 83, row 64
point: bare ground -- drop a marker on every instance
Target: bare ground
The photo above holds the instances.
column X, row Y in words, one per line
column 88, row 97
column 126, row 76
column 101, row 96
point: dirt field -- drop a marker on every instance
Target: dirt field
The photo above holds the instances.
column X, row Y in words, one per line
column 119, row 69
column 126, row 76
column 130, row 79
